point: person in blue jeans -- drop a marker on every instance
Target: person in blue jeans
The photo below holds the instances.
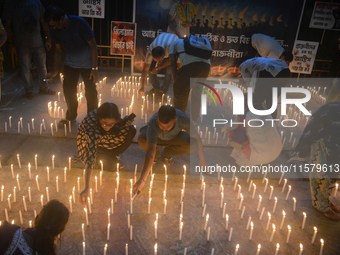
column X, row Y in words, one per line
column 23, row 21
column 75, row 36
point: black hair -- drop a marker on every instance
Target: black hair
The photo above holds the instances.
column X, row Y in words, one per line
column 53, row 13
column 166, row 113
column 49, row 223
column 288, row 56
column 107, row 111
column 158, row 52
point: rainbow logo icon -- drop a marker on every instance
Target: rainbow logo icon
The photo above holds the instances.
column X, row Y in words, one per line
column 209, row 93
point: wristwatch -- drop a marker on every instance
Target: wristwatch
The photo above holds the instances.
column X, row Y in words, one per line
column 95, row 68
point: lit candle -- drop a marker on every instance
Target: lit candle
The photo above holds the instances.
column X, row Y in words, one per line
column 266, row 185
column 224, row 208
column 2, row 193
column 259, row 204
column 48, row 174
column 69, row 163
column 52, row 129
column 271, row 192
column 108, row 232
column 239, row 191
column 96, row 183
column 314, row 235
column 180, row 230
column 284, row 185
column 230, row 234
column 65, row 169
column 155, row 229
column 236, row 249
column 336, row 189
column 243, row 210
column 248, row 224
column 155, row 249
column 275, row 203
column 83, row 230
column 47, row 194
column 258, row 249
column 36, row 161
column 53, row 161
column 289, row 189
column 288, row 235
column 204, row 208
column 42, row 200
column 301, row 249
column 131, row 232
column 322, row 244
column 222, row 196
column 268, row 222
column 86, row 217
column 304, row 220
column 18, row 157
column 283, row 218
column 251, row 230
column 83, row 248
column 226, row 222
column 206, row 221
column 57, row 184
column 294, row 205
column 271, row 237
column 9, row 202
column 116, row 195
column 149, row 205
column 15, row 194
column 37, row 182
column 165, row 203
column 277, row 249
column 20, row 216
column 105, row 249
column 235, row 185
column 240, row 205
column 12, row 170
column 29, row 194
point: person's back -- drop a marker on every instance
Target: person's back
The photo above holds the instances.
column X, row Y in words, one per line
column 266, row 46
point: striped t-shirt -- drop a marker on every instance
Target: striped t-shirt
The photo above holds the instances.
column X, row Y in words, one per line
column 164, row 40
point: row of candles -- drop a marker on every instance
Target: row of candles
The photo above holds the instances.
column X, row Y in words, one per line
column 250, row 224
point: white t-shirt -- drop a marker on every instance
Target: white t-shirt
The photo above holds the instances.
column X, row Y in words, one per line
column 164, row 40
column 266, row 46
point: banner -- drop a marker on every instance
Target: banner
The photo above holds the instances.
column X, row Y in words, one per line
column 92, row 8
column 304, row 55
column 123, row 38
column 326, row 16
column 228, row 25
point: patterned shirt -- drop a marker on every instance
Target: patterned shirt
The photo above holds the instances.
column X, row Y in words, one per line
column 91, row 135
column 164, row 40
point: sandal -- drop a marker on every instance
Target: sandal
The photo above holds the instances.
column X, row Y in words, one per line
column 47, row 91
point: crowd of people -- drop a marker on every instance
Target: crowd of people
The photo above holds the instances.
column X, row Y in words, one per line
column 104, row 134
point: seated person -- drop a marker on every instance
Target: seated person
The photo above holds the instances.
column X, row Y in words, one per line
column 41, row 239
column 101, row 137
column 166, row 128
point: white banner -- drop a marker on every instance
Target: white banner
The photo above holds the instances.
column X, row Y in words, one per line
column 92, row 8
column 326, row 16
column 304, row 55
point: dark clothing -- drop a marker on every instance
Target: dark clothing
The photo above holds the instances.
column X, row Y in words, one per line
column 177, row 146
column 182, row 87
column 71, row 76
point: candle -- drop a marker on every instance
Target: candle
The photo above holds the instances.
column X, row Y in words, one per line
column 235, row 185
column 42, row 200
column 301, row 249
column 230, row 234
column 314, row 235
column 251, row 230
column 283, row 218
column 294, row 206
column 259, row 203
column 236, row 249
column 155, row 249
column 289, row 189
column 18, row 157
column 284, row 185
column 10, row 121
column 2, row 193
column 155, row 229
column 208, row 234
column 69, row 163
column 250, row 185
column 222, row 196
column 243, row 209
column 36, row 161
column 83, row 248
column 53, row 161
column 277, row 249
column 29, row 194
column 149, row 205
column 248, row 224
column 336, row 189
column 266, row 185
column 52, row 129
column 37, row 182
column 48, row 174
column 240, row 205
column 116, row 195
column 206, row 221
column 9, row 202
column 30, row 224
column 57, row 184
column 47, row 194
column 20, row 216
column 203, row 194
column 105, row 249
column 180, row 230
column 275, row 203
column 15, row 194
column 288, row 235
column 131, row 231
column 12, row 170
column 258, row 249
column 70, row 202
column 304, row 220
column 165, row 203
column 108, row 232
column 204, row 208
column 226, row 222
column 223, row 212
column 271, row 237
column 268, row 222
column 239, row 191
column 271, row 192
column 24, row 201
column 86, row 217
column 263, row 208
column 96, row 183
column 65, row 169
column 6, row 214
column 322, row 244
column 83, row 230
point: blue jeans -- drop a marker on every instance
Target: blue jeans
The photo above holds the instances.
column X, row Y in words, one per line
column 167, row 78
column 25, row 57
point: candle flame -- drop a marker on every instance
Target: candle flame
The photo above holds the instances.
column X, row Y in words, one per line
column 274, row 227
column 284, row 213
column 289, row 227
column 301, row 246
column 259, row 246
column 241, row 14
column 315, row 229
column 321, row 241
column 277, row 246
column 237, row 246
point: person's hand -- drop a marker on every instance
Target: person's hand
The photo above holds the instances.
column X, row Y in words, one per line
column 154, row 71
column 137, row 187
column 141, row 92
column 50, row 76
column 83, row 196
column 94, row 76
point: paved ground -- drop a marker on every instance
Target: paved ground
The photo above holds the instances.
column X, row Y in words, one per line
column 28, row 144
